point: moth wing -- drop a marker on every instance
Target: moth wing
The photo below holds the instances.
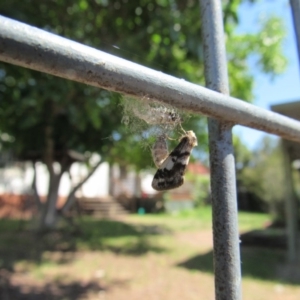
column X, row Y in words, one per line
column 170, row 174
column 168, row 163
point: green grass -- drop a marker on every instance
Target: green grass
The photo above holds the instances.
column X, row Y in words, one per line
column 150, row 252
column 180, row 221
column 136, row 236
column 200, row 218
column 251, row 221
column 141, row 249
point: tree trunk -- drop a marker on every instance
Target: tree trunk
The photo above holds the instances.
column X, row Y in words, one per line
column 48, row 216
column 137, row 185
column 36, row 196
column 49, row 212
column 112, row 179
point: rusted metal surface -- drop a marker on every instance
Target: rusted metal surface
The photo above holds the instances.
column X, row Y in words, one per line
column 227, row 267
column 33, row 48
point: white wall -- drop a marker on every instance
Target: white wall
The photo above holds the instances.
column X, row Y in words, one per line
column 18, row 180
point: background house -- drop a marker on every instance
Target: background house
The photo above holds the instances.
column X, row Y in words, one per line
column 194, row 190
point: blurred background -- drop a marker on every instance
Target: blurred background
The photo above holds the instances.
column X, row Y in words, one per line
column 78, row 216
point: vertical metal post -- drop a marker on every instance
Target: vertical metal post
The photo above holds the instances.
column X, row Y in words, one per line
column 291, row 209
column 295, row 7
column 223, row 183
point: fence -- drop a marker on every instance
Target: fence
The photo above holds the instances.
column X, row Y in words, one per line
column 36, row 49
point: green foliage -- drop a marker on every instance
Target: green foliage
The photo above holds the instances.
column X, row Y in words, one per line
column 201, row 192
column 262, row 50
column 83, row 118
column 264, row 176
column 80, row 117
column 242, row 154
column 42, row 117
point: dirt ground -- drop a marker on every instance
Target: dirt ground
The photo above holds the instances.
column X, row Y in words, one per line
column 107, row 275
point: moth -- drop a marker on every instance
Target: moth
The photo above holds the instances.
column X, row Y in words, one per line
column 170, row 173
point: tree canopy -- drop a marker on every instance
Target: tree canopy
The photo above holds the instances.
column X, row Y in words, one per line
column 262, row 174
column 161, row 34
column 41, row 115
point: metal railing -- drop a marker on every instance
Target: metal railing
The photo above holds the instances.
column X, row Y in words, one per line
column 36, row 49
column 29, row 47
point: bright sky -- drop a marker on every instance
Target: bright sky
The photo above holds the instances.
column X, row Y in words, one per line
column 286, row 87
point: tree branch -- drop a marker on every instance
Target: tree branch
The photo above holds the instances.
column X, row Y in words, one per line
column 71, row 197
column 36, row 196
column 48, row 151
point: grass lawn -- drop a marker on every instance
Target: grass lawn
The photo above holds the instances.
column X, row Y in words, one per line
column 139, row 257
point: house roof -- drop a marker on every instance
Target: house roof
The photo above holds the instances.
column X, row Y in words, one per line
column 292, row 110
column 198, row 169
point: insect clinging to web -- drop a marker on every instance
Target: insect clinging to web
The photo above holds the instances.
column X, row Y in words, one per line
column 171, row 170
column 152, row 118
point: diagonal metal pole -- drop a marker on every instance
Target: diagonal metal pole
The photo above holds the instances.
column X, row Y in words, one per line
column 223, row 183
column 27, row 46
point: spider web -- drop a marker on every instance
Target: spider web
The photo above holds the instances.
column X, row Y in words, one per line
column 151, row 120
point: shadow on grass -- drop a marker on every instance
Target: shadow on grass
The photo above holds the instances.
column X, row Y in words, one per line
column 53, row 290
column 18, row 243
column 257, row 262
